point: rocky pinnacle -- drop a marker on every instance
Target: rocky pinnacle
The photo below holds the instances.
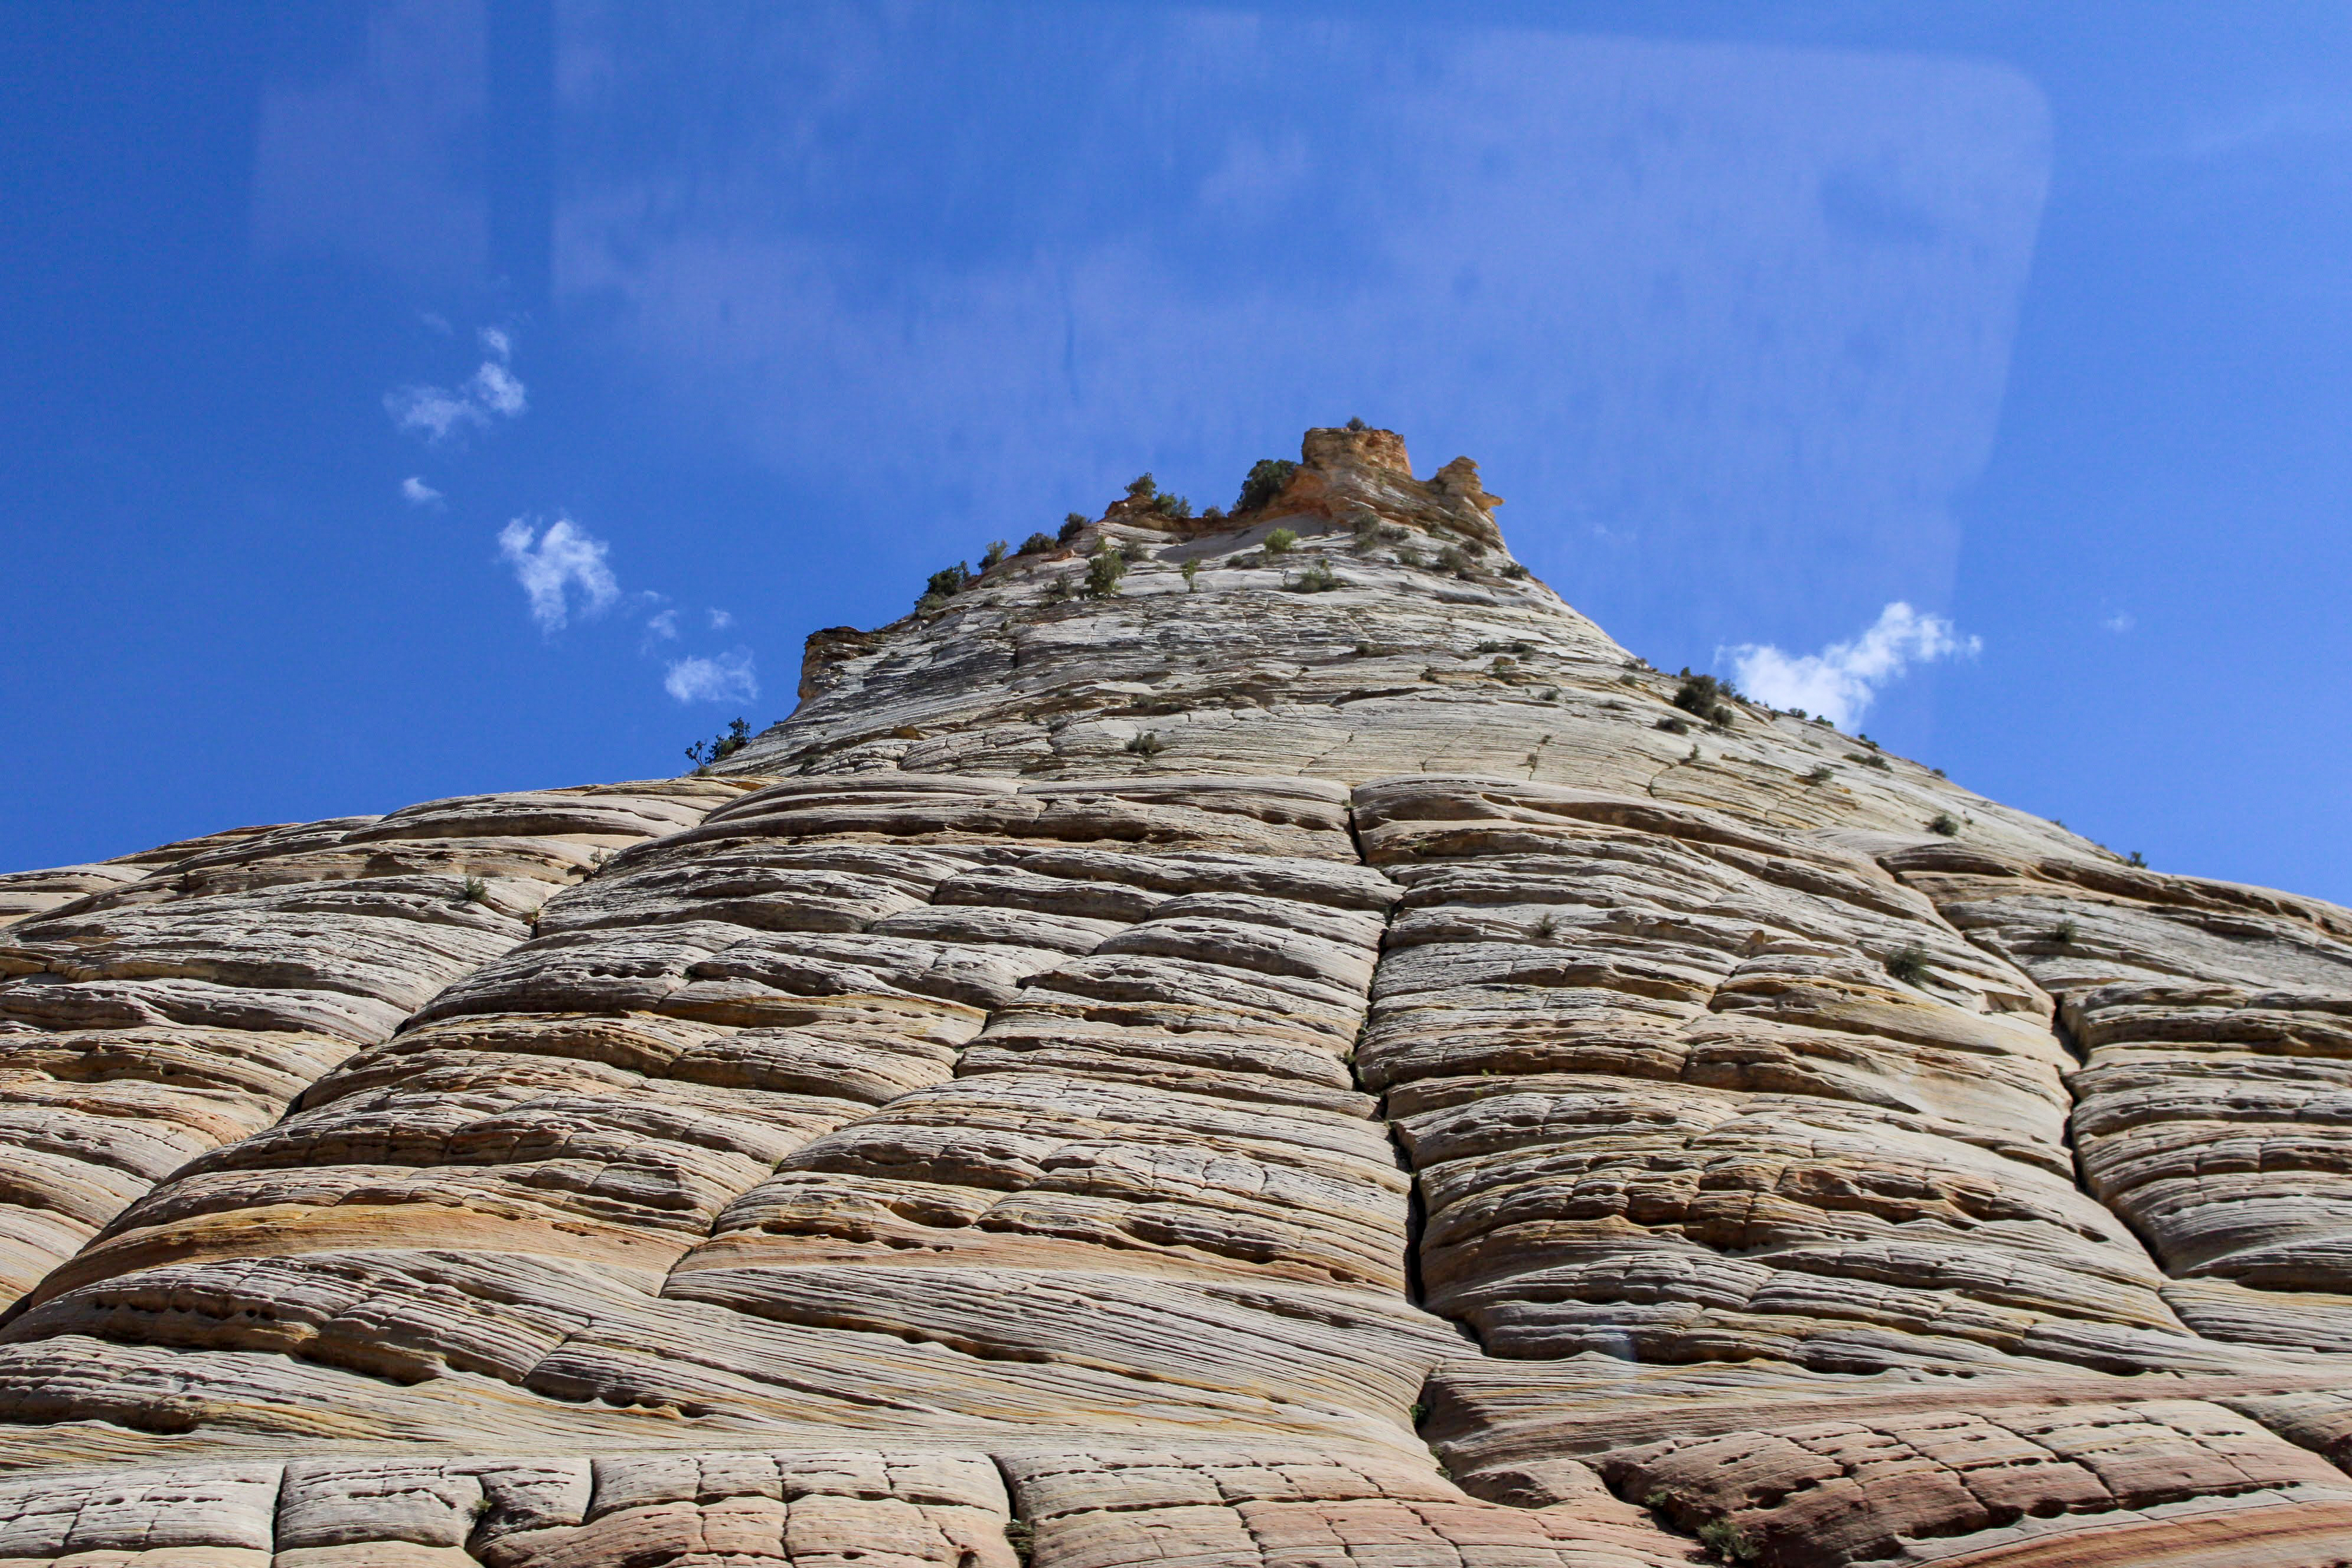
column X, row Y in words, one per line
column 1259, row 1038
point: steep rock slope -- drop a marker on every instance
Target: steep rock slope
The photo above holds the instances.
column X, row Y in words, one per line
column 1264, row 1040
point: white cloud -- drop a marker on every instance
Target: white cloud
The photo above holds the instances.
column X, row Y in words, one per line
column 495, row 386
column 564, row 558
column 418, row 492
column 721, row 620
column 1840, row 681
column 664, row 625
column 2120, row 622
column 728, row 677
column 437, row 411
column 434, row 410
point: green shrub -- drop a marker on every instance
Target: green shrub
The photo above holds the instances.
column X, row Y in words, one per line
column 1357, row 424
column 1870, row 760
column 1318, row 578
column 1147, row 745
column 1674, row 726
column 997, row 551
column 1072, row 524
column 1212, row 514
column 949, row 581
column 1457, row 560
column 1105, row 567
column 1035, row 544
column 477, row 891
column 1491, row 646
column 1514, row 571
column 1724, row 1538
column 2137, row 860
column 2065, row 933
column 1059, row 588
column 1945, row 823
column 1908, row 963
column 1705, row 697
column 1281, row 542
column 1407, row 555
column 1142, row 488
column 1265, row 480
column 1191, row 570
column 719, row 747
column 1166, row 505
column 1820, row 775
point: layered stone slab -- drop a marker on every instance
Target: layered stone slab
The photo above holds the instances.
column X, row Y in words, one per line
column 1678, row 1090
column 926, row 1105
column 2216, row 1096
column 156, row 1018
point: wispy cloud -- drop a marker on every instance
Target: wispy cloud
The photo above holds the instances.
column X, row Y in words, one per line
column 663, row 626
column 729, row 678
column 1840, row 682
column 489, row 394
column 552, row 566
column 418, row 493
column 721, row 619
column 2120, row 622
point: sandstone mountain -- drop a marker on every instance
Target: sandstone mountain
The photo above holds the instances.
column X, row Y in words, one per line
column 1263, row 1040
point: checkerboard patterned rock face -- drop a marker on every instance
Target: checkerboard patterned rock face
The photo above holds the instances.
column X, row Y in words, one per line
column 1310, row 1059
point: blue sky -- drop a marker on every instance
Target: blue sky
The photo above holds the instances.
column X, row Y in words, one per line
column 409, row 399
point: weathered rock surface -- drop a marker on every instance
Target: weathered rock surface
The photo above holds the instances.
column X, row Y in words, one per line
column 160, row 1017
column 1312, row 1060
column 2215, row 1109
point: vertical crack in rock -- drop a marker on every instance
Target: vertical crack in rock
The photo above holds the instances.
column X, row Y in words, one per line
column 1129, row 1077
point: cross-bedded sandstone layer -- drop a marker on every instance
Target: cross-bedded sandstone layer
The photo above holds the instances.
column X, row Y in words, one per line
column 1310, row 1058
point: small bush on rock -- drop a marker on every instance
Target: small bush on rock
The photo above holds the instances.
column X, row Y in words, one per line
column 1147, row 745
column 1281, row 542
column 1103, row 570
column 1265, row 480
column 1318, row 578
column 1071, row 522
column 997, row 551
column 722, row 746
column 1945, row 823
column 1908, row 963
column 1705, row 697
column 1035, row 544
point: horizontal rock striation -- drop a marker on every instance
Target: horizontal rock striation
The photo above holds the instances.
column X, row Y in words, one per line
column 1262, row 1039
column 155, row 1020
column 2215, row 1108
